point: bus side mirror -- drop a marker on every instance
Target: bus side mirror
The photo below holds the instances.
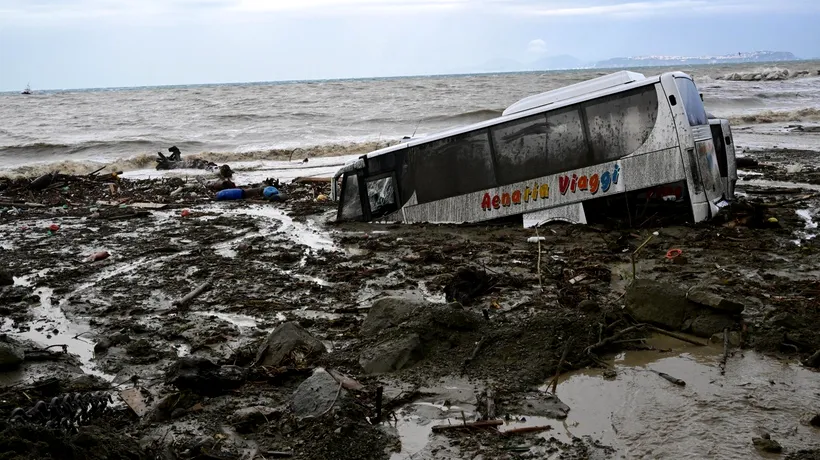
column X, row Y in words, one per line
column 701, row 97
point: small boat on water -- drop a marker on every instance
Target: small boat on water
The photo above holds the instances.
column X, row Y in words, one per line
column 27, row 90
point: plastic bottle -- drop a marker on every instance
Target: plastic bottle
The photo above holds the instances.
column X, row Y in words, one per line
column 230, row 194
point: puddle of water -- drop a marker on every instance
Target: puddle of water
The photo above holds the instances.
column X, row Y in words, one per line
column 233, row 318
column 642, row 415
column 416, row 420
column 50, row 327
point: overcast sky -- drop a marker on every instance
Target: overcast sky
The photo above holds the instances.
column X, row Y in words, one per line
column 100, row 43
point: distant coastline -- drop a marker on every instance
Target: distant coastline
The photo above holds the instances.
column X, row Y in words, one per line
column 629, row 63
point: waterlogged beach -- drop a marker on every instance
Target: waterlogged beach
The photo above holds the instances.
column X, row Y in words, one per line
column 312, row 339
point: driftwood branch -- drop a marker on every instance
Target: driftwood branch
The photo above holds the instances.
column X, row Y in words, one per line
column 613, row 338
column 725, row 356
column 475, row 352
column 468, row 426
column 193, row 294
column 674, row 380
column 675, row 336
column 527, row 429
column 554, row 383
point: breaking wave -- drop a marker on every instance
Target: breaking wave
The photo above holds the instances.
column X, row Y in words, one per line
column 148, row 161
column 770, row 116
column 768, row 74
column 40, row 149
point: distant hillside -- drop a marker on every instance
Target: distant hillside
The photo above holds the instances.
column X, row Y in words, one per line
column 652, row 61
column 557, row 63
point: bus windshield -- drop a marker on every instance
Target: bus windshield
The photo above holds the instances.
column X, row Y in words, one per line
column 692, row 104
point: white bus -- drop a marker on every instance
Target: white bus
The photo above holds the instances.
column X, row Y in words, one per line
column 555, row 155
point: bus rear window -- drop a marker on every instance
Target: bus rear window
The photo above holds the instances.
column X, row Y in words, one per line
column 691, row 102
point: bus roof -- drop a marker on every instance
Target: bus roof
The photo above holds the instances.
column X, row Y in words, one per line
column 591, row 93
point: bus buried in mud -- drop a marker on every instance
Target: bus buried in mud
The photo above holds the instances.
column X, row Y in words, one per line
column 618, row 140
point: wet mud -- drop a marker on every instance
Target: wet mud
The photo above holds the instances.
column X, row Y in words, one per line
column 403, row 329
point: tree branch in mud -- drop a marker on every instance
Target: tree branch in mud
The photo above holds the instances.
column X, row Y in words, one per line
column 674, row 380
column 680, row 337
column 554, row 383
column 612, row 338
column 475, row 353
column 527, row 429
column 193, row 294
column 725, row 356
column 468, row 426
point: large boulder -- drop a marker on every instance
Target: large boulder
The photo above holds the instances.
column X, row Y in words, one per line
column 203, row 376
column 290, row 342
column 392, row 355
column 715, row 302
column 11, row 355
column 317, row 394
column 657, row 303
column 389, row 312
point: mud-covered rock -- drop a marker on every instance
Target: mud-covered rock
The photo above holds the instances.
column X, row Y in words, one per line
column 316, row 394
column 10, row 355
column 204, row 376
column 392, row 355
column 289, row 344
column 784, row 320
column 539, row 404
column 734, row 338
column 389, row 312
column 106, row 342
column 710, row 324
column 815, row 421
column 248, row 419
column 766, row 444
column 703, row 297
column 657, row 303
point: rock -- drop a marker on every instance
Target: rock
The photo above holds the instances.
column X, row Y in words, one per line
column 734, row 338
column 451, row 316
column 815, row 421
column 289, row 343
column 6, row 279
column 589, row 306
column 203, row 376
column 710, row 324
column 106, row 342
column 389, row 312
column 713, row 301
column 610, row 374
column 392, row 355
column 11, row 355
column 766, row 444
column 248, row 419
column 316, row 394
column 784, row 320
column 538, row 404
column 657, row 303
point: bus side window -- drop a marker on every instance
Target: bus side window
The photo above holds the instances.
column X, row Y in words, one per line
column 567, row 146
column 521, row 149
column 621, row 124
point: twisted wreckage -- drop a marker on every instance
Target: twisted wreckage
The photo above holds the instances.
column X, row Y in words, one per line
column 620, row 140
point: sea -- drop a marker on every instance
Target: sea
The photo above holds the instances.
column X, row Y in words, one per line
column 263, row 129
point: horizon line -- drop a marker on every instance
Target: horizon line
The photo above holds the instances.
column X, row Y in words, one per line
column 387, row 77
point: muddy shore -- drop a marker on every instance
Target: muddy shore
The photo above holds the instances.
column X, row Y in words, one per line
column 314, row 340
